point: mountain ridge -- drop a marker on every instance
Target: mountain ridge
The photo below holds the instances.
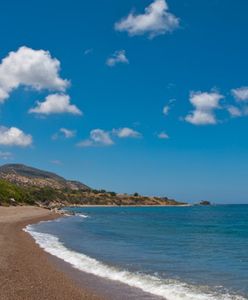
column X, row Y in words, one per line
column 21, row 184
column 24, row 175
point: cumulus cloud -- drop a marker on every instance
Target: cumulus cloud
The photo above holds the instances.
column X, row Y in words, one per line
column 234, row 111
column 14, row 137
column 117, row 58
column 98, row 137
column 205, row 105
column 67, row 133
column 167, row 107
column 64, row 133
column 237, row 111
column 156, row 20
column 163, row 135
column 55, row 104
column 240, row 94
column 126, row 133
column 201, row 118
column 31, row 68
column 240, row 108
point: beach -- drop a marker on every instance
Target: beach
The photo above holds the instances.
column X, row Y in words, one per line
column 26, row 272
column 85, row 256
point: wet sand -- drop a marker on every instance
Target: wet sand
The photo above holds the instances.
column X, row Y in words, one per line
column 26, row 271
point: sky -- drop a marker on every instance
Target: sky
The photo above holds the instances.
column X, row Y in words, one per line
column 130, row 96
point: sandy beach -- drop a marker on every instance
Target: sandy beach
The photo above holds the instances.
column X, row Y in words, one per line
column 25, row 270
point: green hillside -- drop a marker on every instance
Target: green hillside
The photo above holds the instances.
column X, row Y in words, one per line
column 11, row 194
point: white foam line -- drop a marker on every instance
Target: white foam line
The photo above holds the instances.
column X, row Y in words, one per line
column 169, row 289
column 82, row 215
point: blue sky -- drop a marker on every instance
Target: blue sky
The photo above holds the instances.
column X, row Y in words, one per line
column 131, row 96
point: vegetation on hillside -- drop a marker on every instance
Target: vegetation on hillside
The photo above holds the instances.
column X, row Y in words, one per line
column 20, row 184
column 13, row 194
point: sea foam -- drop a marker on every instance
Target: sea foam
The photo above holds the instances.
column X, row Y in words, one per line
column 81, row 215
column 169, row 289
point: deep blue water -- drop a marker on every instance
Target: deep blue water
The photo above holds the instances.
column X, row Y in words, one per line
column 198, row 249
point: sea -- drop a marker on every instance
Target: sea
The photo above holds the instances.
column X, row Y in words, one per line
column 186, row 253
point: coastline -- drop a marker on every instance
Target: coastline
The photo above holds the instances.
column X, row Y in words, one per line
column 26, row 271
column 29, row 272
column 110, row 205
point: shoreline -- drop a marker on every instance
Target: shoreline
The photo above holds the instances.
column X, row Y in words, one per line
column 26, row 271
column 87, row 205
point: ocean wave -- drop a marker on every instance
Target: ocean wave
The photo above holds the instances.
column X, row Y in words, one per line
column 81, row 215
column 169, row 289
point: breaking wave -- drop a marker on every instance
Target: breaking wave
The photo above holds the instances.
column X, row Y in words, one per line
column 169, row 289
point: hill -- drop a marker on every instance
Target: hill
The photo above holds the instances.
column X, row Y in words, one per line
column 20, row 184
column 28, row 176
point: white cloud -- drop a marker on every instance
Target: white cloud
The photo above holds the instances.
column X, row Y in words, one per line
column 166, row 109
column 64, row 133
column 126, row 133
column 201, row 118
column 163, row 135
column 155, row 21
column 14, row 137
column 117, row 57
column 241, row 94
column 31, row 68
column 205, row 105
column 101, row 136
column 241, row 97
column 98, row 137
column 234, row 111
column 67, row 133
column 5, row 155
column 55, row 104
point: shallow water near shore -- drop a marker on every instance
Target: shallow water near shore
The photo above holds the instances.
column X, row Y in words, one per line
column 170, row 252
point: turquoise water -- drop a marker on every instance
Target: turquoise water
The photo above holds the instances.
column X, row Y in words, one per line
column 173, row 252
